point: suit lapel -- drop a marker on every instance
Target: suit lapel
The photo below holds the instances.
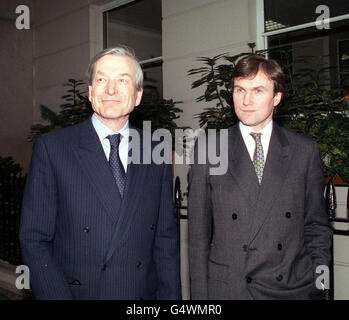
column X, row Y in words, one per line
column 274, row 174
column 135, row 187
column 241, row 167
column 95, row 165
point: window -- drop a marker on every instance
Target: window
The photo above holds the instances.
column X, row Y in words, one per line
column 292, row 26
column 138, row 24
column 282, row 14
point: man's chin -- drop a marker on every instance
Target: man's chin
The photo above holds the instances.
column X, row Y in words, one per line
column 248, row 123
column 113, row 117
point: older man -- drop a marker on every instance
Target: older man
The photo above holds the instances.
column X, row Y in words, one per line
column 93, row 225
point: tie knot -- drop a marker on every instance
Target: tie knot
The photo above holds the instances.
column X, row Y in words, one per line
column 256, row 136
column 114, row 140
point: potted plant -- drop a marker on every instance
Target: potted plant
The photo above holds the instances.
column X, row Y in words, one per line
column 310, row 106
column 77, row 108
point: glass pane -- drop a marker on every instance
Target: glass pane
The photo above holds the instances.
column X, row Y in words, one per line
column 325, row 50
column 343, row 47
column 280, row 14
column 152, row 87
column 138, row 25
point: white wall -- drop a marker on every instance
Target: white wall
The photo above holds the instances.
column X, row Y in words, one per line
column 199, row 28
column 35, row 63
column 61, row 49
column 16, row 84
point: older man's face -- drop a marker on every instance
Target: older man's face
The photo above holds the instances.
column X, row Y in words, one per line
column 113, row 92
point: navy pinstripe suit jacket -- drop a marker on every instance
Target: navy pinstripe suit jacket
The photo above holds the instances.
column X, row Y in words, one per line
column 80, row 239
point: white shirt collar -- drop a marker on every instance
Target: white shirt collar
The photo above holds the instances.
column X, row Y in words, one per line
column 266, row 131
column 103, row 131
column 250, row 142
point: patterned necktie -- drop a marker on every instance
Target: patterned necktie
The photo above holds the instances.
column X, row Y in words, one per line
column 258, row 156
column 115, row 162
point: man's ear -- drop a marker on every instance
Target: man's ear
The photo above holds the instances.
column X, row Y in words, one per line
column 139, row 94
column 277, row 98
column 89, row 92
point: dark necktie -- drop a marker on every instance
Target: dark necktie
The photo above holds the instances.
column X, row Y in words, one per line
column 258, row 156
column 115, row 162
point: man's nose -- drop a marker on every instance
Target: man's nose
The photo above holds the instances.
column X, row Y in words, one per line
column 111, row 87
column 247, row 98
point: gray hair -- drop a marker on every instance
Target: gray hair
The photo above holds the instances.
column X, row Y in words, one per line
column 122, row 51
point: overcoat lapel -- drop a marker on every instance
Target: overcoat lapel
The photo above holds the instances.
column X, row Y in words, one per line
column 274, row 175
column 92, row 159
column 96, row 167
column 241, row 167
column 135, row 187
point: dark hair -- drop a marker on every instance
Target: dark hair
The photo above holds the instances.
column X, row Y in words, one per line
column 248, row 67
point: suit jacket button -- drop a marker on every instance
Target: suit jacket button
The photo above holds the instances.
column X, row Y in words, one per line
column 288, row 215
column 139, row 264
column 86, row 229
column 280, row 246
column 234, row 216
column 248, row 279
column 244, row 247
column 104, row 267
column 152, row 227
column 279, row 277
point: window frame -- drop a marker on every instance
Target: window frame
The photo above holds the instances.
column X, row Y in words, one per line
column 265, row 35
column 113, row 5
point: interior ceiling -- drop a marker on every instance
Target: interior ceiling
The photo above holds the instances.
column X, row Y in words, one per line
column 141, row 13
column 295, row 12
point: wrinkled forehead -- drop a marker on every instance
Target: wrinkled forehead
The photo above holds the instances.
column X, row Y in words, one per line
column 115, row 63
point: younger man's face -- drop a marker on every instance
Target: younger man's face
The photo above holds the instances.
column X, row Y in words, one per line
column 254, row 100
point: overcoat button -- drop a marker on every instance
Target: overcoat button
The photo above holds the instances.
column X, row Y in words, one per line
column 234, row 216
column 86, row 229
column 288, row 215
column 279, row 246
column 248, row 279
column 279, row 277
